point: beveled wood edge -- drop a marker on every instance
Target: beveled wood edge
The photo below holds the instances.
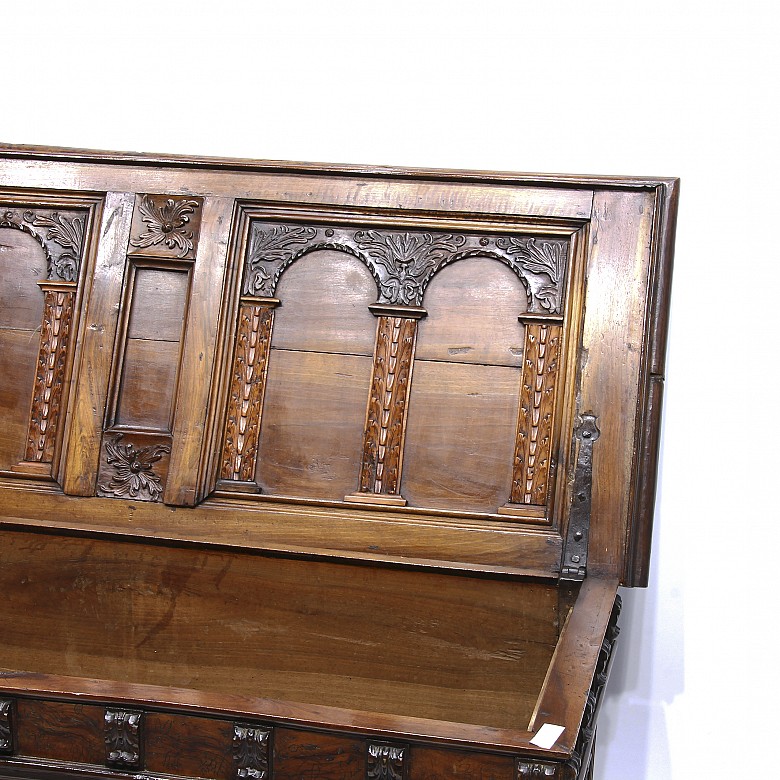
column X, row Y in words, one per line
column 564, row 692
column 314, row 717
column 527, row 552
column 69, row 154
column 636, row 569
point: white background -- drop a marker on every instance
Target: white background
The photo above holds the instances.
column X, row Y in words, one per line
column 681, row 89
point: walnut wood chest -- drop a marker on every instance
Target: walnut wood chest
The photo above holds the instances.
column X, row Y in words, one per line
column 317, row 471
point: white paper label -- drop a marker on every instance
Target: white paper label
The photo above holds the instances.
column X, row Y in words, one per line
column 546, row 736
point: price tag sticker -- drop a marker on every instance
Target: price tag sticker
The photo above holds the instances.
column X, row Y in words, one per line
column 546, row 736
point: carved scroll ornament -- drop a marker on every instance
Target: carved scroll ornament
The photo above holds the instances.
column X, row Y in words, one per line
column 403, row 262
column 59, row 233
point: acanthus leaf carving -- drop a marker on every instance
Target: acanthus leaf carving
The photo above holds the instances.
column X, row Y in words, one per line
column 537, row 770
column 403, row 262
column 385, row 762
column 62, row 239
column 133, row 469
column 251, row 752
column 167, row 223
column 407, row 261
column 123, row 738
column 271, row 249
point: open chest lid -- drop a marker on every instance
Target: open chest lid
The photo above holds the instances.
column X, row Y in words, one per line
column 434, row 368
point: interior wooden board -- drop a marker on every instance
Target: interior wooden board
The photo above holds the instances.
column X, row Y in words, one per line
column 410, row 644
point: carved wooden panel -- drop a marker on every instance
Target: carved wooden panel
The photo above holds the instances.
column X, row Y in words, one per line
column 386, row 762
column 59, row 236
column 247, row 391
column 166, row 226
column 536, row 418
column 403, row 262
column 383, row 439
column 123, row 738
column 252, row 752
column 6, row 726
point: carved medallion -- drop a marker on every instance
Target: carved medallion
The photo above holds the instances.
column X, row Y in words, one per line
column 251, row 752
column 403, row 262
column 385, row 762
column 60, row 234
column 132, row 469
column 166, row 226
column 123, row 738
column 6, row 726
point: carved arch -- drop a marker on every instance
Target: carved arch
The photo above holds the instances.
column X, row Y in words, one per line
column 403, row 262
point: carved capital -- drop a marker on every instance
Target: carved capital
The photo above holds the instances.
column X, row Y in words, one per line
column 251, row 752
column 386, row 762
column 123, row 738
column 6, row 727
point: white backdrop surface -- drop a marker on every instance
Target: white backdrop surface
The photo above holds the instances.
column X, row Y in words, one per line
column 681, row 89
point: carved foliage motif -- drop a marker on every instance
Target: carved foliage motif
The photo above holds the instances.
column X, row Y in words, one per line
column 60, row 234
column 133, row 469
column 531, row 469
column 6, row 727
column 383, row 436
column 385, row 762
column 239, row 451
column 403, row 262
column 537, row 770
column 251, row 752
column 169, row 225
column 123, row 738
column 50, row 374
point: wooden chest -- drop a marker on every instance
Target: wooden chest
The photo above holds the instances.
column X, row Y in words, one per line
column 319, row 472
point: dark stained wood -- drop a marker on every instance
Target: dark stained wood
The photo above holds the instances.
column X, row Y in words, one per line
column 60, row 730
column 329, row 415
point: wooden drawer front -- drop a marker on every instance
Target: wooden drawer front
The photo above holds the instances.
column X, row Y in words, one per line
column 98, row 741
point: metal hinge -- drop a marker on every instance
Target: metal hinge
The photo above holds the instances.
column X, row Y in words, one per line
column 575, row 549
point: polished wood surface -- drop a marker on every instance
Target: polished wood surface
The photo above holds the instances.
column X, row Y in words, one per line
column 287, row 463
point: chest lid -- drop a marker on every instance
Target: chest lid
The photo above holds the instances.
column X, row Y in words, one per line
column 433, row 368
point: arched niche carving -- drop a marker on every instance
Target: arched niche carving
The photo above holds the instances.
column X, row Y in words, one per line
column 319, row 370
column 467, row 381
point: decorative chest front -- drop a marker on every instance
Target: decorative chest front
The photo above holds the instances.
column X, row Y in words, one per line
column 319, row 472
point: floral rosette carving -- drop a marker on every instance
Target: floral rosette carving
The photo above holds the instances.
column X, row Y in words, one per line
column 167, row 224
column 133, row 469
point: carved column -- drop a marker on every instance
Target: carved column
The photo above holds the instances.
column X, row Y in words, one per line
column 46, row 406
column 247, row 390
column 531, row 469
column 385, row 428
